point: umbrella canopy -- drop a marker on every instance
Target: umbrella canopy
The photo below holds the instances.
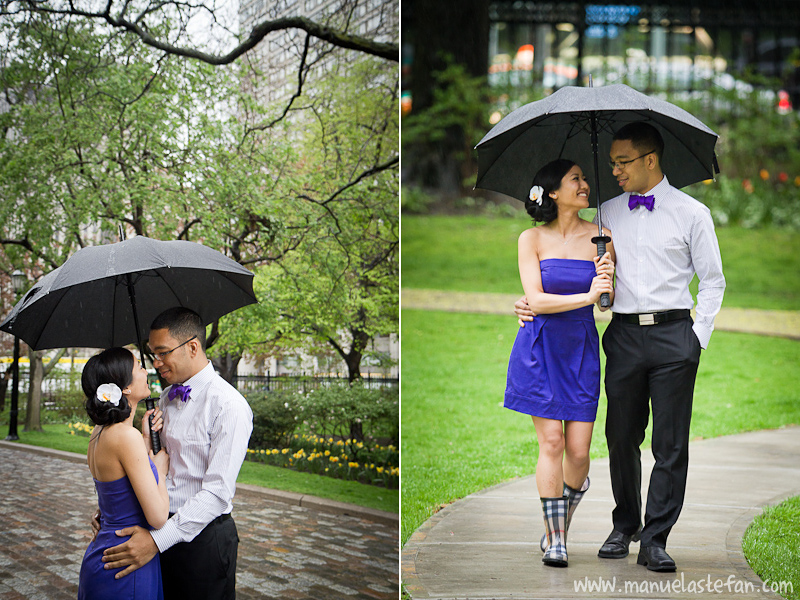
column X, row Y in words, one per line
column 89, row 300
column 560, row 126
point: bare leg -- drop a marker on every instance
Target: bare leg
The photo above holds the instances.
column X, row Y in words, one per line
column 549, row 470
column 578, row 439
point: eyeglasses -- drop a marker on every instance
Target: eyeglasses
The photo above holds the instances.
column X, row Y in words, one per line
column 621, row 164
column 160, row 355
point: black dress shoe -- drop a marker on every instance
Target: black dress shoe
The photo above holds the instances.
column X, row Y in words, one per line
column 656, row 558
column 616, row 546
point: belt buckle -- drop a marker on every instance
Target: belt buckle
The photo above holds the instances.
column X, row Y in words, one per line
column 647, row 319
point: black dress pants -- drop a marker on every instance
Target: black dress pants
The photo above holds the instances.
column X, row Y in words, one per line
column 647, row 363
column 204, row 568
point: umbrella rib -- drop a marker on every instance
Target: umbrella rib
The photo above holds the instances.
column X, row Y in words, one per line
column 117, row 280
column 47, row 321
column 170, row 287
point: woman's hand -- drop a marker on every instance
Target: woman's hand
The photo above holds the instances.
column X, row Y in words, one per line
column 601, row 284
column 95, row 524
column 158, row 421
column 523, row 311
column 604, row 265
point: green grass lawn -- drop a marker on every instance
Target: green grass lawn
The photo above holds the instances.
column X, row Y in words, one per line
column 772, row 547
column 457, row 438
column 58, row 437
column 479, row 254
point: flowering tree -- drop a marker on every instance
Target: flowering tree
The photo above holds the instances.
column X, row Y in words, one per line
column 101, row 129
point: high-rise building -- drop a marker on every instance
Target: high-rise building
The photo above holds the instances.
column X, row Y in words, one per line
column 279, row 56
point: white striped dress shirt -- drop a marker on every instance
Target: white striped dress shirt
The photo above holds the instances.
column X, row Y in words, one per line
column 206, row 438
column 658, row 253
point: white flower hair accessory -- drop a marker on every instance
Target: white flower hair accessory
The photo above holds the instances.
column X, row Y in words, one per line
column 109, row 392
column 536, row 194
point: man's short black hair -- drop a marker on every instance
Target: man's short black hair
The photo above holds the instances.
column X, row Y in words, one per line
column 182, row 324
column 643, row 136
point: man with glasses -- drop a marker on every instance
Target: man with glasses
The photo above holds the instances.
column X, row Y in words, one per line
column 206, row 427
column 662, row 238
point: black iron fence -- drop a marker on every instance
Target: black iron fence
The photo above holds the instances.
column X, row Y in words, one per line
column 304, row 383
column 58, row 385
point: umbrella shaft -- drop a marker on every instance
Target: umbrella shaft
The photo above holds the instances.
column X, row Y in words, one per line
column 595, row 152
column 155, row 440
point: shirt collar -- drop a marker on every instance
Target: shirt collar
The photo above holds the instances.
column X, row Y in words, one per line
column 658, row 191
column 200, row 380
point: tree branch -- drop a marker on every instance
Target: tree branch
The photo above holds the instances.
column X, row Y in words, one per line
column 336, row 37
column 25, row 243
column 53, row 362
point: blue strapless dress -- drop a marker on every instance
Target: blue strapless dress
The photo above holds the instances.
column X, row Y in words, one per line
column 554, row 369
column 119, row 508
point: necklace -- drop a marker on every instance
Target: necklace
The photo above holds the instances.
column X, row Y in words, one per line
column 570, row 238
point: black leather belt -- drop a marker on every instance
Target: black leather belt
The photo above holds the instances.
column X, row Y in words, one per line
column 653, row 318
column 216, row 521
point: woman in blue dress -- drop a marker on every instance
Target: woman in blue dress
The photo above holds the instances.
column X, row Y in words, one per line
column 131, row 487
column 554, row 369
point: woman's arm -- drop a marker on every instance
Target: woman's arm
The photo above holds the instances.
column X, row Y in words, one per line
column 531, row 275
column 134, row 459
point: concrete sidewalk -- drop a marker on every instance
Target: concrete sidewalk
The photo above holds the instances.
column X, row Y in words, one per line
column 487, row 545
column 781, row 323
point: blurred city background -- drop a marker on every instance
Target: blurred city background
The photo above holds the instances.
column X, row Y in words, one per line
column 734, row 65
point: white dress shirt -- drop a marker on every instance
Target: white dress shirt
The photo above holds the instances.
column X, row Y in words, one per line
column 659, row 251
column 206, row 438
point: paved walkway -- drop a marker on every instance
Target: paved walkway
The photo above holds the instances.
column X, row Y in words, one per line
column 286, row 551
column 487, row 545
column 782, row 323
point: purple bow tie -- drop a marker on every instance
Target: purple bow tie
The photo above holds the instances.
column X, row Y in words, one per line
column 646, row 201
column 180, row 390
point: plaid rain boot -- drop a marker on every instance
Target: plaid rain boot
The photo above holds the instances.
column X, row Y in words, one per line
column 555, row 523
column 574, row 497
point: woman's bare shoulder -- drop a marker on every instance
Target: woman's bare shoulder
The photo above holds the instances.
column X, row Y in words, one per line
column 122, row 436
column 531, row 234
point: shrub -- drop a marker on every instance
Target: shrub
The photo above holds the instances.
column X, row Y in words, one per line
column 344, row 411
column 65, row 407
column 274, row 418
column 313, row 432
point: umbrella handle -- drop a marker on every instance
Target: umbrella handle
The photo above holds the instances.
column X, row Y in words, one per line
column 155, row 440
column 601, row 241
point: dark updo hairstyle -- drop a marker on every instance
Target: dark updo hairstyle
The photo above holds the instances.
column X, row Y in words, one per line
column 114, row 365
column 549, row 177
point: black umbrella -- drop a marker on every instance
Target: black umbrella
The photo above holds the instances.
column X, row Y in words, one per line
column 571, row 123
column 108, row 295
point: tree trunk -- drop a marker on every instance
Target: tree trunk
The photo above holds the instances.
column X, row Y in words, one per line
column 353, row 361
column 38, row 373
column 33, row 420
column 227, row 365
